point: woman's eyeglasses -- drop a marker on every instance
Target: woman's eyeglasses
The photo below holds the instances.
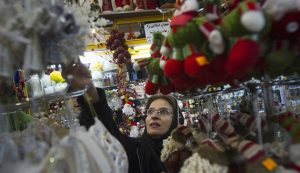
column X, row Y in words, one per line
column 160, row 112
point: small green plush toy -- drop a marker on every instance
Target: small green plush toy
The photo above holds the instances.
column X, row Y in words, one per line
column 156, row 82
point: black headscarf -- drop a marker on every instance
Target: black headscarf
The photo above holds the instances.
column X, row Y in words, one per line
column 151, row 148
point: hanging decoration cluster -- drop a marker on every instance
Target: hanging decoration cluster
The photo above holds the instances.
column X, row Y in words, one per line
column 157, row 81
column 249, row 39
column 116, row 43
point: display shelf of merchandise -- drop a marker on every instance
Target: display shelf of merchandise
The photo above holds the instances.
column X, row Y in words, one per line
column 40, row 101
column 126, row 20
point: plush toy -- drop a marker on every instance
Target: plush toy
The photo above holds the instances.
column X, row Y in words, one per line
column 174, row 154
column 205, row 59
column 243, row 23
column 187, row 140
column 183, row 31
column 156, row 80
column 283, row 38
column 246, row 18
column 183, row 47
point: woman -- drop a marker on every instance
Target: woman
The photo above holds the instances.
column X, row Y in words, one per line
column 162, row 117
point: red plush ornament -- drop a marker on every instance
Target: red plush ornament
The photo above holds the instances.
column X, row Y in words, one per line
column 195, row 65
column 242, row 58
column 179, row 86
column 151, row 86
column 184, row 81
column 195, row 62
column 217, row 72
column 166, row 87
column 174, row 69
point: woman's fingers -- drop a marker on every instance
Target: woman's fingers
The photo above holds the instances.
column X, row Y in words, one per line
column 76, row 74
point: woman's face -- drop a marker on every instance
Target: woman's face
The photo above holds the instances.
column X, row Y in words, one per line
column 159, row 118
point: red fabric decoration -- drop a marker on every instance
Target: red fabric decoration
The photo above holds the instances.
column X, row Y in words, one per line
column 217, row 72
column 130, row 102
column 166, row 86
column 121, row 3
column 184, row 82
column 174, row 69
column 195, row 65
column 242, row 58
column 151, row 88
column 151, row 4
column 166, row 89
column 183, row 18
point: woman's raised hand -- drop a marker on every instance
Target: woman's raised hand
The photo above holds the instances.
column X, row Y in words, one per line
column 77, row 75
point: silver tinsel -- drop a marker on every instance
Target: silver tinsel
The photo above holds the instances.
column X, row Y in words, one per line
column 36, row 33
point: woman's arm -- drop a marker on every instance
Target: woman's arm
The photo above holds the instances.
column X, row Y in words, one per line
column 104, row 113
column 79, row 77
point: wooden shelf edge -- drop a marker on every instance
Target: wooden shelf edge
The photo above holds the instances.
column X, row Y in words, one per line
column 130, row 14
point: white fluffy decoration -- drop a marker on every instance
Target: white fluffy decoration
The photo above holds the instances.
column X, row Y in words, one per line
column 196, row 164
column 253, row 21
column 189, row 5
column 216, row 42
column 128, row 110
column 134, row 131
column 170, row 146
